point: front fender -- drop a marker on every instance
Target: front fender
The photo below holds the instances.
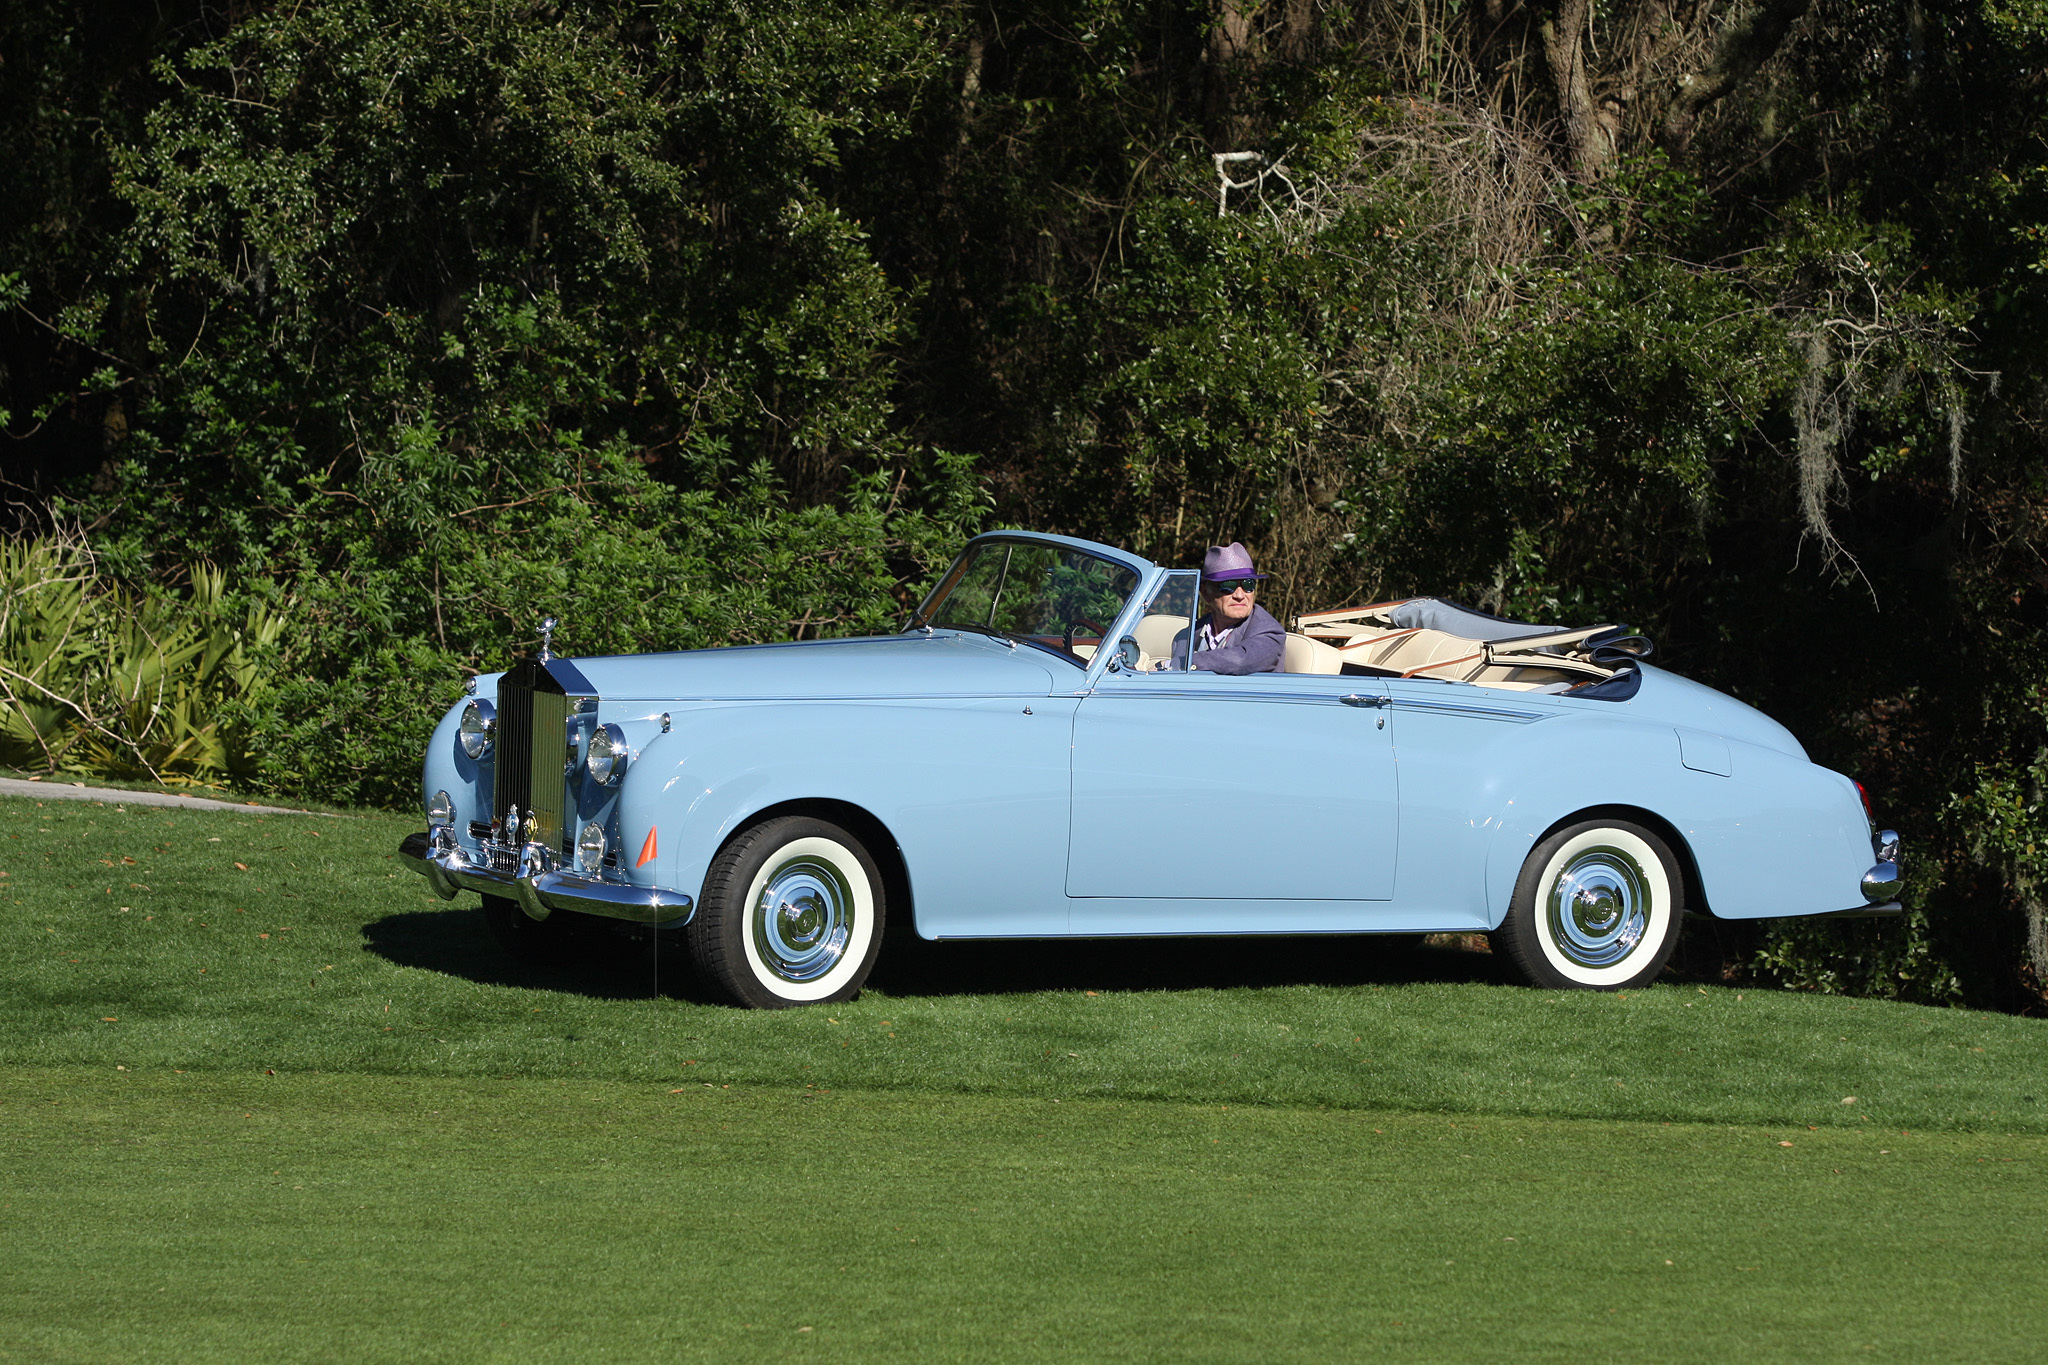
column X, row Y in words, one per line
column 720, row 765
column 447, row 768
column 974, row 792
column 669, row 810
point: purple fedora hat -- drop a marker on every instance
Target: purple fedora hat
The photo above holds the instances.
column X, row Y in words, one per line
column 1228, row 561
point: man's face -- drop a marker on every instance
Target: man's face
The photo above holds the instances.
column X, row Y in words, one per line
column 1231, row 601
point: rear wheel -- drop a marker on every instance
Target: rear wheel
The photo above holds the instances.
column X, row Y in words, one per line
column 792, row 914
column 1597, row 907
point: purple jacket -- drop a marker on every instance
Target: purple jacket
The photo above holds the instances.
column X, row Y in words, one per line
column 1257, row 646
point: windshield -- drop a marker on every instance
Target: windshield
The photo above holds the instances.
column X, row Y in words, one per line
column 1059, row 599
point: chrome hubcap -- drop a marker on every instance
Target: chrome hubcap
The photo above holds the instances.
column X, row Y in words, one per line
column 1599, row 907
column 803, row 919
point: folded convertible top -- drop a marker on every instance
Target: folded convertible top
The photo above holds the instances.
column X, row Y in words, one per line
column 1433, row 613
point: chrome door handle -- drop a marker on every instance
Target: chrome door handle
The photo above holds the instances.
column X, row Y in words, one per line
column 1354, row 699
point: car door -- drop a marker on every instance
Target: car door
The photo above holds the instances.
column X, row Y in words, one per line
column 979, row 801
column 1202, row 802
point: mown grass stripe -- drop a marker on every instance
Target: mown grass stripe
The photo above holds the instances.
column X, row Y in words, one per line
column 416, row 1218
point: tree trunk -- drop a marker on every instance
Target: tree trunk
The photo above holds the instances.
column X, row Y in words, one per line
column 1233, row 56
column 1592, row 128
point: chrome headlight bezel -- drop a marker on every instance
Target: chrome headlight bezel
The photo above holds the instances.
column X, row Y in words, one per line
column 607, row 756
column 478, row 729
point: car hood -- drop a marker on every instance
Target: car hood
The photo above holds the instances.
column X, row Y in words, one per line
column 1685, row 702
column 945, row 663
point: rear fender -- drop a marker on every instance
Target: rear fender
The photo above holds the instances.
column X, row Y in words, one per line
column 1775, row 836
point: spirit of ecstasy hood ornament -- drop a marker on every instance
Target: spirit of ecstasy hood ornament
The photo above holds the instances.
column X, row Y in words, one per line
column 547, row 634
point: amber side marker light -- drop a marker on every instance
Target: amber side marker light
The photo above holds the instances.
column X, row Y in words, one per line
column 647, row 849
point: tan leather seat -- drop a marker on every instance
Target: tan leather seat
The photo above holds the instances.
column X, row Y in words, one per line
column 1431, row 651
column 1155, row 633
column 1304, row 655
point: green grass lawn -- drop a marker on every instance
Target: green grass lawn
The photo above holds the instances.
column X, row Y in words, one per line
column 417, row 1218
column 263, row 1096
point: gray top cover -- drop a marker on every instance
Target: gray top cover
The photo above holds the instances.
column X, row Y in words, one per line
column 1433, row 613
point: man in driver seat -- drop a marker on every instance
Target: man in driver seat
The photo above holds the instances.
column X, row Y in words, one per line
column 1237, row 636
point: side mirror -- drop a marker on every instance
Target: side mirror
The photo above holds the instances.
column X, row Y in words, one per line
column 1127, row 656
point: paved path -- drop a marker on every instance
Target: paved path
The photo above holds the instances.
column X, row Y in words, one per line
column 69, row 791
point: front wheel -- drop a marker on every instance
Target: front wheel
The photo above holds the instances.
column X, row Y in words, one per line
column 1597, row 907
column 792, row 914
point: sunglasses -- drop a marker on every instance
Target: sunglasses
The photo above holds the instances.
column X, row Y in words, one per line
column 1229, row 586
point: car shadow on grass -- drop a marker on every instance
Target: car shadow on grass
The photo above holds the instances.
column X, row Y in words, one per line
column 614, row 966
column 913, row 967
column 456, row 942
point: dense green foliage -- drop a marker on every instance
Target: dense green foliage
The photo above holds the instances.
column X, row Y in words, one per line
column 387, row 295
column 129, row 685
column 417, row 320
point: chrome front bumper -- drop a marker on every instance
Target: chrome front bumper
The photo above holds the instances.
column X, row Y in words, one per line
column 538, row 884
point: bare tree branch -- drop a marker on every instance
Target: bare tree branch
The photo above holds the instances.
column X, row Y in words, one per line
column 1750, row 38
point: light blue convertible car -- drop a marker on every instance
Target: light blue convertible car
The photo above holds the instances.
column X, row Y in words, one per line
column 1025, row 761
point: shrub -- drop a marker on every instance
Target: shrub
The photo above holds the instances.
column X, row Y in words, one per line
column 96, row 678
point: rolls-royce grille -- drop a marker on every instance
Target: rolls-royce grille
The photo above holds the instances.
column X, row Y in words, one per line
column 514, row 777
column 548, row 786
column 532, row 739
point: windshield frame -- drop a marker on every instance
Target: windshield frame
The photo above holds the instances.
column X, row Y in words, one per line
column 922, row 617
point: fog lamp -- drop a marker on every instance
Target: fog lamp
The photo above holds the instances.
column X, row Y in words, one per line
column 440, row 809
column 479, row 725
column 590, row 848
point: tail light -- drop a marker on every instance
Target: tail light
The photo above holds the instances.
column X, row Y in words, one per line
column 1867, row 812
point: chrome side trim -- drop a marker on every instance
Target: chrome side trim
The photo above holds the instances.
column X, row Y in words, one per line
column 1458, row 708
column 1487, row 710
column 1886, row 911
column 540, row 888
column 1148, row 690
column 675, row 704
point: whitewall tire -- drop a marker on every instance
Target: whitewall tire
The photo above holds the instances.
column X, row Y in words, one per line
column 791, row 914
column 1598, row 906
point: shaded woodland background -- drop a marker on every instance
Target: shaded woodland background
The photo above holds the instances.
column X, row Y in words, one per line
column 339, row 342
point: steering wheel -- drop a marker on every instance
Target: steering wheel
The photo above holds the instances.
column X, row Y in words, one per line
column 1067, row 638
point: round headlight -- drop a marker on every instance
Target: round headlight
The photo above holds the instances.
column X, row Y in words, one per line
column 590, row 848
column 479, row 724
column 608, row 755
column 440, row 810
